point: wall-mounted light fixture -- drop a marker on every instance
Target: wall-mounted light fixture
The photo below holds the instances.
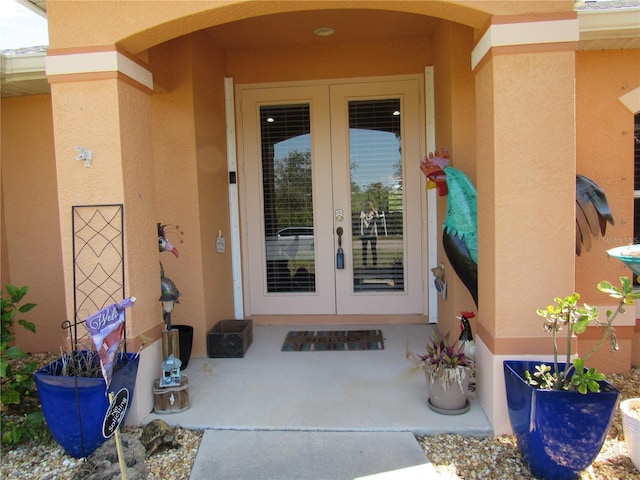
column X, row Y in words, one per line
column 84, row 156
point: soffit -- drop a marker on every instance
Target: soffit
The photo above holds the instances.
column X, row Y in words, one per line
column 296, row 29
column 22, row 72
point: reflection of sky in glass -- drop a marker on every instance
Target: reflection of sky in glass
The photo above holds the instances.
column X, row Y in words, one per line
column 374, row 155
column 301, row 143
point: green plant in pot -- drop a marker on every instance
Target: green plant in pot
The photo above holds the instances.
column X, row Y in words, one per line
column 561, row 413
column 447, row 369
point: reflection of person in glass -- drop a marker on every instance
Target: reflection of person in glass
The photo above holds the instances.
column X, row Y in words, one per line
column 369, row 232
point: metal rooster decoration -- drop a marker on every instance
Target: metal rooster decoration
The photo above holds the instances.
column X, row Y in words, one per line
column 460, row 228
column 169, row 293
column 592, row 212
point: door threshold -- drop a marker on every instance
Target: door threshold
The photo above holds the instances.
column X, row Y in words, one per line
column 338, row 319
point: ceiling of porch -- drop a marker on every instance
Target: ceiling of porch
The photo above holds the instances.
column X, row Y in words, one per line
column 297, row 28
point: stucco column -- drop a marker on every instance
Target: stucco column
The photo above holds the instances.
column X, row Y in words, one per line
column 101, row 102
column 525, row 75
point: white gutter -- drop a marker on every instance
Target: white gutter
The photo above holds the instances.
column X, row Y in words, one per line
column 15, row 68
column 609, row 23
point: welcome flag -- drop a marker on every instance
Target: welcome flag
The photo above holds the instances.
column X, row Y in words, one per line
column 106, row 328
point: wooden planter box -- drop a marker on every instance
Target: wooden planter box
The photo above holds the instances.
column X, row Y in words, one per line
column 229, row 339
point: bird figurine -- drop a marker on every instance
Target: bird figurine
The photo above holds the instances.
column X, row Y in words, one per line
column 460, row 227
column 163, row 244
column 169, row 293
column 466, row 336
column 466, row 339
column 439, row 280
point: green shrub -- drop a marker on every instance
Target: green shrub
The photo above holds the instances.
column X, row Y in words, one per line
column 18, row 394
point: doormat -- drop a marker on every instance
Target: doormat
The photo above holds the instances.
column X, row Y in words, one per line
column 330, row 340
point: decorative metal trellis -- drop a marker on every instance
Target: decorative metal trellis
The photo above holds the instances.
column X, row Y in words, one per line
column 98, row 261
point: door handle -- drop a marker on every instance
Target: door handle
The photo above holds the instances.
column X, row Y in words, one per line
column 340, row 252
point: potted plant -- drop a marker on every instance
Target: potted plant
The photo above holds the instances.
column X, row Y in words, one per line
column 77, row 389
column 74, row 397
column 560, row 414
column 447, row 370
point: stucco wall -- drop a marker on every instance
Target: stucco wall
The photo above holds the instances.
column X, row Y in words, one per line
column 604, row 153
column 455, row 130
column 138, row 26
column 393, row 57
column 604, row 140
column 213, row 191
column 31, row 233
column 191, row 178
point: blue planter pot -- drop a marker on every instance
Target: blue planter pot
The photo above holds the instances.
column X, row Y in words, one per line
column 75, row 407
column 559, row 433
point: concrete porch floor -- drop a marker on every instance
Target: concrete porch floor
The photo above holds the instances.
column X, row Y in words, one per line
column 377, row 390
column 283, row 395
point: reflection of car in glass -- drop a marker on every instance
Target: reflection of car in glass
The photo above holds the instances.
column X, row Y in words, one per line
column 291, row 243
column 301, row 232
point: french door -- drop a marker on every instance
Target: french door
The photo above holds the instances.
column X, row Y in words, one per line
column 331, row 198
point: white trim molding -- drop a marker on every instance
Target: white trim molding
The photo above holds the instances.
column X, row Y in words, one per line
column 531, row 33
column 98, row 62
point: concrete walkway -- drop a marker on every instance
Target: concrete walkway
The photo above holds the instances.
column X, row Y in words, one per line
column 316, row 415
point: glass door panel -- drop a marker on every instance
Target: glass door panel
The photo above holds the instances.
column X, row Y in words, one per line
column 376, row 138
column 287, row 194
column 375, row 158
column 287, row 214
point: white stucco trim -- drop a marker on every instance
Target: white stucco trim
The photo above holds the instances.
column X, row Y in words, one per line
column 234, row 205
column 490, row 385
column 143, row 399
column 96, row 62
column 512, row 34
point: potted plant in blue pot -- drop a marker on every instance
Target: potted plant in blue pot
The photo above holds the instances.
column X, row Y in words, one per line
column 74, row 397
column 560, row 414
column 77, row 389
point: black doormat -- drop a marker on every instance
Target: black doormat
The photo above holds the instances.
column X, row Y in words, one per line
column 332, row 340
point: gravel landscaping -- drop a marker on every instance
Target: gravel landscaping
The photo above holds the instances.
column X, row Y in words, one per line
column 455, row 457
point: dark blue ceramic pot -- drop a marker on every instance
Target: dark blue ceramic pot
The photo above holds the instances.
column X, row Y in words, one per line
column 559, row 433
column 75, row 407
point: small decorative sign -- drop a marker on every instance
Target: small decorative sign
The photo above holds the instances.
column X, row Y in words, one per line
column 115, row 413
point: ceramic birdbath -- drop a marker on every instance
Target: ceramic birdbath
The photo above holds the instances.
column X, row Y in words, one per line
column 629, row 255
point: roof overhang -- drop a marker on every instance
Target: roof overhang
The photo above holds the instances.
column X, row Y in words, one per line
column 37, row 6
column 23, row 74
